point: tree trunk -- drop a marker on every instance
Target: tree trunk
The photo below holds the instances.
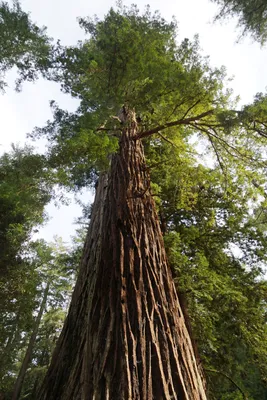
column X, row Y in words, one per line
column 28, row 355
column 125, row 336
column 9, row 349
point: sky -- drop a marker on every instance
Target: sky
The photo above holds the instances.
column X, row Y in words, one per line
column 245, row 62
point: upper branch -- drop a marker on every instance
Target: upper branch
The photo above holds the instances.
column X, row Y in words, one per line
column 183, row 121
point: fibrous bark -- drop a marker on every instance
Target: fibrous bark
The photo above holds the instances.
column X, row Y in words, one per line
column 125, row 336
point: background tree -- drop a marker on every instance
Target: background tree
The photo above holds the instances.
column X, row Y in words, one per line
column 26, row 187
column 251, row 16
column 25, row 190
column 22, row 44
column 40, row 321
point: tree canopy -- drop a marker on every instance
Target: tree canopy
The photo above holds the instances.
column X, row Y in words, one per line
column 22, row 44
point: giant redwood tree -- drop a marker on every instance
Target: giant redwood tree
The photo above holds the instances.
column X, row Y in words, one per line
column 125, row 336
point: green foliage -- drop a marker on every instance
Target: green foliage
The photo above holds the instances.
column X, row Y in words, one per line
column 22, row 45
column 77, row 153
column 252, row 16
column 25, row 189
column 225, row 289
column 134, row 60
column 129, row 60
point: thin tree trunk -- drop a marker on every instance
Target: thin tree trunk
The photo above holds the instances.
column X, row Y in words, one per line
column 28, row 355
column 43, row 361
column 125, row 336
column 13, row 337
column 8, row 349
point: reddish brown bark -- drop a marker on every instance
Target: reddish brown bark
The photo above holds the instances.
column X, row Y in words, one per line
column 125, row 337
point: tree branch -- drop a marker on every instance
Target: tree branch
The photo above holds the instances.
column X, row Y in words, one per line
column 226, row 145
column 108, row 129
column 217, row 156
column 230, row 379
column 190, row 108
column 167, row 140
column 185, row 121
